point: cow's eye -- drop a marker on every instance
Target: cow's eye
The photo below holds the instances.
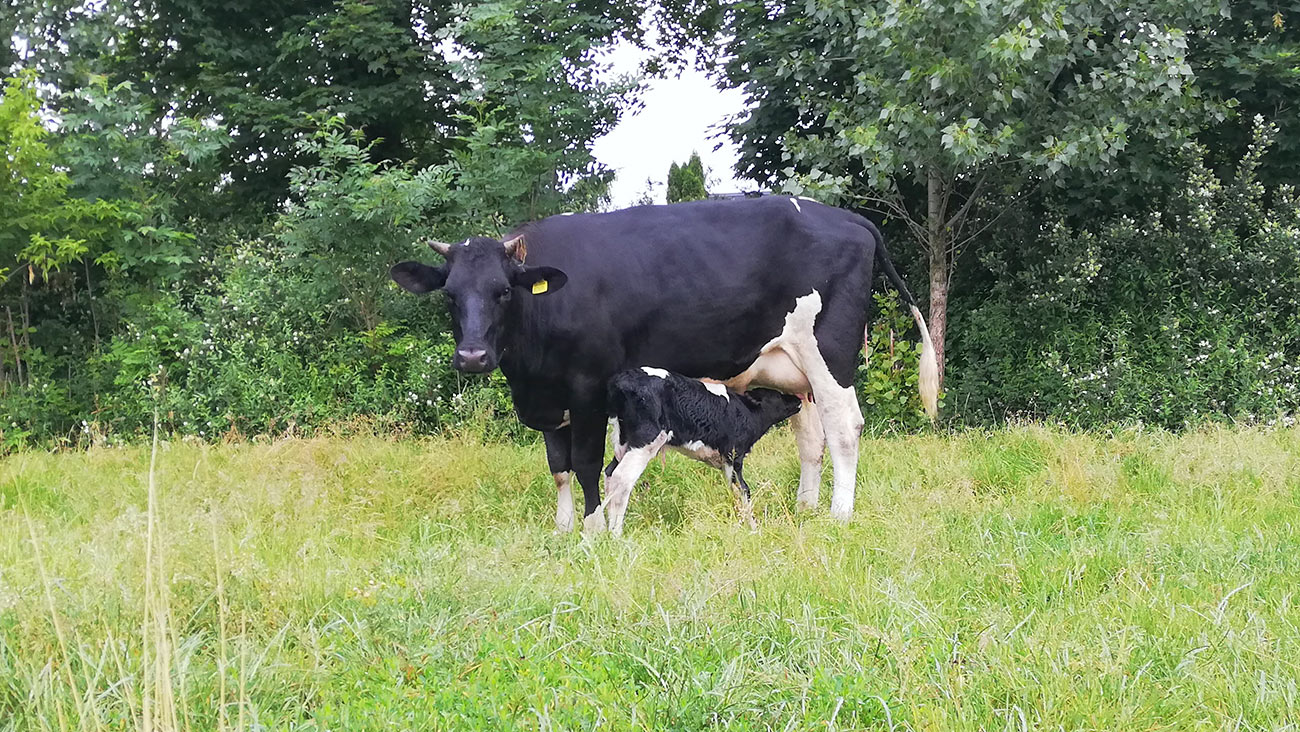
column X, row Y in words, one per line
column 504, row 294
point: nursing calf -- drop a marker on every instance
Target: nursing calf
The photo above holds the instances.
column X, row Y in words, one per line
column 653, row 409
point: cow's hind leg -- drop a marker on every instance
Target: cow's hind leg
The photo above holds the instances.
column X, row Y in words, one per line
column 828, row 359
column 810, row 438
column 618, row 488
column 842, row 422
column 558, row 446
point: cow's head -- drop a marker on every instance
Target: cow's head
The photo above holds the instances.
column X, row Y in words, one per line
column 481, row 278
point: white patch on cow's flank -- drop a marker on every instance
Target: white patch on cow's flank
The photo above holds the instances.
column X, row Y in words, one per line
column 718, row 389
column 652, row 371
column 796, row 205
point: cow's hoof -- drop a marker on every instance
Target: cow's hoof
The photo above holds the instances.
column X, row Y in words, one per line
column 595, row 523
column 805, row 505
column 563, row 522
column 843, row 515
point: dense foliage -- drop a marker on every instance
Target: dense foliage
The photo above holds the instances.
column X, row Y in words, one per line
column 1003, row 142
column 201, row 202
column 209, row 203
column 1165, row 316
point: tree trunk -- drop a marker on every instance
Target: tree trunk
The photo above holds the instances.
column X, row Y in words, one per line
column 938, row 234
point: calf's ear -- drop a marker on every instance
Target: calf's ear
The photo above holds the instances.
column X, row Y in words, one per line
column 542, row 280
column 418, row 278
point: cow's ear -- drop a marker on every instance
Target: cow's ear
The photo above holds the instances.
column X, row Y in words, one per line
column 541, row 280
column 418, row 278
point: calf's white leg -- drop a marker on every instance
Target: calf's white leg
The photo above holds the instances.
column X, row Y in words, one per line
column 618, row 488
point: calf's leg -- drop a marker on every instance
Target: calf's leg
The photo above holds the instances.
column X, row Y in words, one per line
column 740, row 491
column 619, row 487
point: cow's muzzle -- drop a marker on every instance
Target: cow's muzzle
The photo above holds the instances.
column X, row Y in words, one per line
column 473, row 360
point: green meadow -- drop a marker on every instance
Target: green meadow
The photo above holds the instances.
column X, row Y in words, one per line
column 1019, row 579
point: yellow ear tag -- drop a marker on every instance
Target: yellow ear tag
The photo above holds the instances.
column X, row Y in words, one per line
column 539, row 287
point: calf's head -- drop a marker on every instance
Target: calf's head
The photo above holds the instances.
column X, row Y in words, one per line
column 773, row 406
column 482, row 278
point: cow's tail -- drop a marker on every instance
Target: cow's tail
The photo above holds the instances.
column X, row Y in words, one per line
column 929, row 366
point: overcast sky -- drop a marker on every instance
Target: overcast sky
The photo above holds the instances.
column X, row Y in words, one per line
column 679, row 116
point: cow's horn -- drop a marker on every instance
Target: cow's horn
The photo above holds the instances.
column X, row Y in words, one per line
column 440, row 247
column 516, row 247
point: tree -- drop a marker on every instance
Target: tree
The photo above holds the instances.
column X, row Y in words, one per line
column 1251, row 57
column 944, row 114
column 686, row 182
column 415, row 78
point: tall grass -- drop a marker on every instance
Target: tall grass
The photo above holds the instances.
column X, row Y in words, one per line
column 1017, row 579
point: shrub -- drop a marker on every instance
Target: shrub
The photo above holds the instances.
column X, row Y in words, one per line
column 1186, row 313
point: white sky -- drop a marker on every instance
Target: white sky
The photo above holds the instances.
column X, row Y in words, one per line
column 678, row 116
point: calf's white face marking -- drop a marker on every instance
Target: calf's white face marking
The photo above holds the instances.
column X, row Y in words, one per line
column 652, row 371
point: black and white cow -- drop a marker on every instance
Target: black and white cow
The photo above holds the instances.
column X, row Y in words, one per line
column 770, row 292
column 653, row 409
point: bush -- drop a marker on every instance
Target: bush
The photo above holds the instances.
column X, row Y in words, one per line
column 887, row 380
column 1187, row 313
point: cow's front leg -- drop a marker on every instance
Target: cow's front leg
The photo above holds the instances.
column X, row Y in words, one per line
column 588, row 455
column 559, row 444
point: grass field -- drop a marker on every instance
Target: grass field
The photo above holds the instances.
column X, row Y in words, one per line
column 1025, row 579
